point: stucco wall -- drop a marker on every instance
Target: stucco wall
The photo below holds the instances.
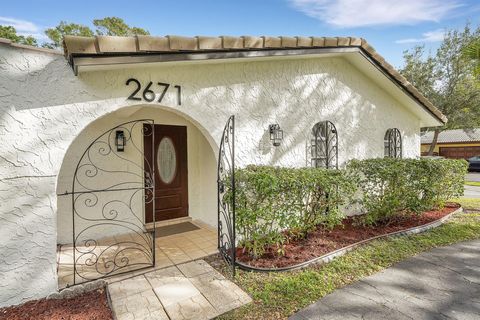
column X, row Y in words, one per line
column 43, row 107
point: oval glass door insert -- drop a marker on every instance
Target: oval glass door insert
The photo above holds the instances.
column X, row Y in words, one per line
column 166, row 160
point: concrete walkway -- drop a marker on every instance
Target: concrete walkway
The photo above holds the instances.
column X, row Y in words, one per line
column 443, row 283
column 192, row 290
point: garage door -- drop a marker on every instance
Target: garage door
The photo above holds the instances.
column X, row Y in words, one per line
column 459, row 152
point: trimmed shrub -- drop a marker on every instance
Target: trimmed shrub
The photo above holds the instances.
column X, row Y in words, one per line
column 392, row 187
column 274, row 204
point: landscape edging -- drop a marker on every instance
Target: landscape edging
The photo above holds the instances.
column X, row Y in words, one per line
column 326, row 258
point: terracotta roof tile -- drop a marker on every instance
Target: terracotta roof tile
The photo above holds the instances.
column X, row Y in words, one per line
column 233, row 42
column 272, row 42
column 304, row 41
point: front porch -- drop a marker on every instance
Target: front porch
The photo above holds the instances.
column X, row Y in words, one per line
column 176, row 242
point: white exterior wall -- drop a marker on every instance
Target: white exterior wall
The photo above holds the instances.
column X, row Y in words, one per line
column 44, row 107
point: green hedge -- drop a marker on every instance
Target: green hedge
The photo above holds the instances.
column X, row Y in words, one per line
column 275, row 204
column 272, row 200
column 391, row 187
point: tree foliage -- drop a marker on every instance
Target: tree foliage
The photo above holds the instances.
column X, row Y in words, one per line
column 110, row 26
column 9, row 32
column 472, row 52
column 56, row 34
column 113, row 26
column 447, row 78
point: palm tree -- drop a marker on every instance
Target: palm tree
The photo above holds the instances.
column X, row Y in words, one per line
column 472, row 52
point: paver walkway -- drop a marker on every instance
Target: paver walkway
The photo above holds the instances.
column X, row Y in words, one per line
column 443, row 283
column 192, row 290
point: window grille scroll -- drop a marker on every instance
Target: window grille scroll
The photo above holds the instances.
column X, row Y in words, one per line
column 324, row 145
column 393, row 143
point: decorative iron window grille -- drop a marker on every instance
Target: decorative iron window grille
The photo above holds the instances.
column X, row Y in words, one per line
column 324, row 145
column 393, row 143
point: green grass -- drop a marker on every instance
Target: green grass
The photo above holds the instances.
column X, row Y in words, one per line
column 278, row 295
column 473, row 183
column 469, row 203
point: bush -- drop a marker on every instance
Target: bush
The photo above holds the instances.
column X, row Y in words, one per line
column 274, row 204
column 391, row 187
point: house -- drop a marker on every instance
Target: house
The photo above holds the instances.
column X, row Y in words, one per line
column 454, row 144
column 120, row 136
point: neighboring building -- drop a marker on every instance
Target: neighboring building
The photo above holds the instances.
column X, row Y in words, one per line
column 127, row 131
column 454, row 144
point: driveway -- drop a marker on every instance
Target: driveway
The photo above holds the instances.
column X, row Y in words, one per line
column 443, row 283
column 471, row 192
column 473, row 176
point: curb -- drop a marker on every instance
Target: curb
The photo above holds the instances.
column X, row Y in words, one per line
column 342, row 251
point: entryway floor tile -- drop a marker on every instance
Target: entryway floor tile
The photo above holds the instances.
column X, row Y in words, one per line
column 169, row 250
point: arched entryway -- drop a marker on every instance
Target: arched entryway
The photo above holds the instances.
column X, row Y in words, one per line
column 128, row 181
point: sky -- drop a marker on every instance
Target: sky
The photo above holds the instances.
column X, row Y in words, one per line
column 390, row 26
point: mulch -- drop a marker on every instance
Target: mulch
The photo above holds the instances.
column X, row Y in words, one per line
column 92, row 305
column 322, row 241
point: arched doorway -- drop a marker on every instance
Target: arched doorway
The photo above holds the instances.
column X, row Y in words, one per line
column 108, row 215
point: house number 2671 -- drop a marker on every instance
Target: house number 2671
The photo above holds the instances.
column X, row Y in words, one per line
column 148, row 94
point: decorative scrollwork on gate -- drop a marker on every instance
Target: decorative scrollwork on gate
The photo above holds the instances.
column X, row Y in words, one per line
column 109, row 195
column 324, row 145
column 226, row 194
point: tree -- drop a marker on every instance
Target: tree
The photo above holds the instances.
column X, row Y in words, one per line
column 56, row 34
column 111, row 26
column 447, row 80
column 9, row 32
column 472, row 52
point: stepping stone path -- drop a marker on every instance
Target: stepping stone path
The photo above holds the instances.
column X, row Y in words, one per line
column 192, row 290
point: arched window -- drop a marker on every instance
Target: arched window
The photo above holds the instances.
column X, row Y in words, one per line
column 324, row 146
column 393, row 143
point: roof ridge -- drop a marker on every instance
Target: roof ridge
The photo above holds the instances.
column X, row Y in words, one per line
column 9, row 42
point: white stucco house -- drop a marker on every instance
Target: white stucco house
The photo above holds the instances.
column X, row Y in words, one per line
column 86, row 133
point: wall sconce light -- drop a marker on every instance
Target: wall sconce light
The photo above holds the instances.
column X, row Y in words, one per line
column 120, row 140
column 276, row 134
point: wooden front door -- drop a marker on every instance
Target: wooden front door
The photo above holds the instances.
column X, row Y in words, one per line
column 169, row 159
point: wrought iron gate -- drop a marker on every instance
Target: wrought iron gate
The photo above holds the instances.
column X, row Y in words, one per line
column 111, row 188
column 226, row 194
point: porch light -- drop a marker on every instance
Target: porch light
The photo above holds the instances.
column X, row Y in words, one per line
column 276, row 134
column 120, row 140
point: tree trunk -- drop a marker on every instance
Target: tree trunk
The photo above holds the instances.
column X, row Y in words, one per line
column 434, row 142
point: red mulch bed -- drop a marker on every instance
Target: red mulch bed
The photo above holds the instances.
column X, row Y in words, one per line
column 322, row 241
column 91, row 305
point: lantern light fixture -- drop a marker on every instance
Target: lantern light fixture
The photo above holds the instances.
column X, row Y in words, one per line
column 276, row 134
column 120, row 140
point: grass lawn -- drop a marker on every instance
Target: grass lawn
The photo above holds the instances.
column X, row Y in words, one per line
column 278, row 295
column 473, row 183
column 469, row 203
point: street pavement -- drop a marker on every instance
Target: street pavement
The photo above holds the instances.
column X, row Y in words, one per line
column 443, row 283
